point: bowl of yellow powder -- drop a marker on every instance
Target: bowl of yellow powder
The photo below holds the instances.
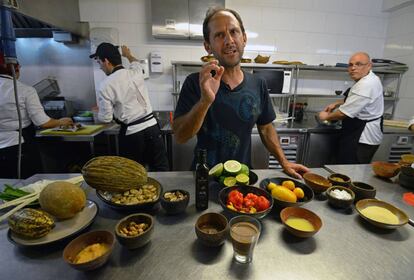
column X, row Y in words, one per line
column 381, row 214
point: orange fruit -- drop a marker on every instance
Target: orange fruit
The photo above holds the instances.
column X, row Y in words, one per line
column 299, row 193
column 289, row 184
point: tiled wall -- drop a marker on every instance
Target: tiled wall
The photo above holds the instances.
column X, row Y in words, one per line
column 399, row 46
column 311, row 31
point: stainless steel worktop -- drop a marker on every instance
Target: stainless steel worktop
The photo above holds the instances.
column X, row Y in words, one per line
column 345, row 248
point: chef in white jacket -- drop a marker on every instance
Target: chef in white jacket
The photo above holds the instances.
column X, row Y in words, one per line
column 361, row 113
column 122, row 96
column 32, row 114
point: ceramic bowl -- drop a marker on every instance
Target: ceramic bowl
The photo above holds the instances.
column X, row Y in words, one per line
column 281, row 203
column 137, row 241
column 175, row 207
column 385, row 169
column 211, row 229
column 407, row 171
column 106, row 197
column 362, row 190
column 401, row 215
column 338, row 179
column 224, row 193
column 306, row 214
column 316, row 182
column 406, row 181
column 340, row 203
column 81, row 242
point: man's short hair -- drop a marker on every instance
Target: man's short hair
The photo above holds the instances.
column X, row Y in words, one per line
column 211, row 12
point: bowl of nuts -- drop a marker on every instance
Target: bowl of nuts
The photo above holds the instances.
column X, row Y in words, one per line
column 175, row 201
column 142, row 198
column 134, row 231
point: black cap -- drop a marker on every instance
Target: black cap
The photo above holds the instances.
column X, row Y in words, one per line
column 106, row 50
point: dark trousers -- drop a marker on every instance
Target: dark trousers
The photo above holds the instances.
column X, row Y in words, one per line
column 31, row 161
column 146, row 147
column 366, row 152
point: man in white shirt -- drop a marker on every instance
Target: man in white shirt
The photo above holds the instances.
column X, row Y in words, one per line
column 32, row 114
column 361, row 113
column 123, row 97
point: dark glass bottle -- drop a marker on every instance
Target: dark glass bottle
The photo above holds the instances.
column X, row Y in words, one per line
column 201, row 182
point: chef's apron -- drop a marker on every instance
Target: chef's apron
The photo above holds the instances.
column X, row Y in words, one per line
column 31, row 159
column 351, row 131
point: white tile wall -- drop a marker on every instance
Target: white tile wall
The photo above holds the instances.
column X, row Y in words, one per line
column 311, row 31
column 399, row 46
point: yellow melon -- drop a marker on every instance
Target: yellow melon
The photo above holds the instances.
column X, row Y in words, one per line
column 62, row 199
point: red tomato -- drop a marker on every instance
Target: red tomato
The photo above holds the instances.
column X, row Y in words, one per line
column 262, row 203
column 236, row 198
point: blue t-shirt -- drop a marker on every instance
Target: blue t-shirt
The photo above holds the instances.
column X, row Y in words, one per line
column 227, row 127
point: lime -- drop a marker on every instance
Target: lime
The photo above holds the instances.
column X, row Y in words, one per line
column 242, row 179
column 216, row 170
column 244, row 169
column 229, row 181
column 232, row 167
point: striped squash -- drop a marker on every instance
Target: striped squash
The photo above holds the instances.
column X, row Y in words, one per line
column 113, row 173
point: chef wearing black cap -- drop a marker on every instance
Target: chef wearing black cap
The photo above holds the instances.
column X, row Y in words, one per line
column 122, row 96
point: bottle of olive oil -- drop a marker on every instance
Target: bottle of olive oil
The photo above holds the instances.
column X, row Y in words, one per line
column 201, row 194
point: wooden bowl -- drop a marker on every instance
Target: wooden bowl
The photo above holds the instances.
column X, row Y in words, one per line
column 409, row 158
column 402, row 217
column 175, row 207
column 316, row 182
column 362, row 190
column 333, row 178
column 137, row 241
column 301, row 213
column 261, row 59
column 78, row 244
column 385, row 169
column 211, row 229
column 340, row 203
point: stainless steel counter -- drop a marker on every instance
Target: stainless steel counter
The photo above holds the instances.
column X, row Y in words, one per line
column 345, row 248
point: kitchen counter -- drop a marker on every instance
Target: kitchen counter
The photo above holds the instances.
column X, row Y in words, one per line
column 346, row 247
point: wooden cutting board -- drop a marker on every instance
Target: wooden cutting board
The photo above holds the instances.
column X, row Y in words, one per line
column 396, row 123
column 85, row 130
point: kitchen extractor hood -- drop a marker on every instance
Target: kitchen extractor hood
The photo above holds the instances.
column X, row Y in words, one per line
column 41, row 17
column 180, row 19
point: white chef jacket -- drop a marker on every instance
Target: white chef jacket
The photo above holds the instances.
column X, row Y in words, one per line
column 366, row 102
column 123, row 94
column 30, row 108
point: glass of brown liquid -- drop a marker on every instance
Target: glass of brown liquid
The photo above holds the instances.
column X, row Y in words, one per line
column 244, row 233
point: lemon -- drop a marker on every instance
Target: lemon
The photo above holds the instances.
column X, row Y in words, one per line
column 216, row 171
column 271, row 186
column 299, row 193
column 242, row 179
column 229, row 181
column 232, row 167
column 289, row 184
column 282, row 193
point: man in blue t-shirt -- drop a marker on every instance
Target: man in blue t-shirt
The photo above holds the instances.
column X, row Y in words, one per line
column 222, row 103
